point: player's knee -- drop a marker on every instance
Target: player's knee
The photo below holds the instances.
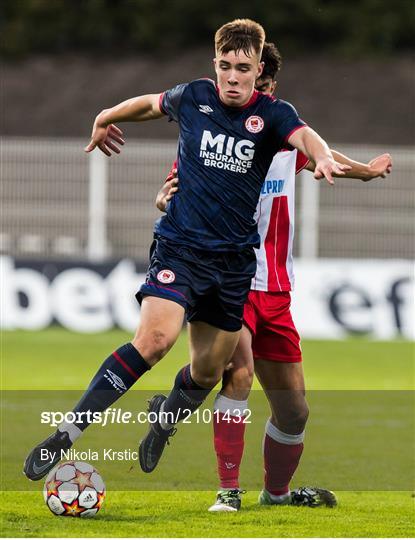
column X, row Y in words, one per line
column 242, row 378
column 299, row 420
column 293, row 419
column 152, row 345
column 301, row 417
column 207, row 378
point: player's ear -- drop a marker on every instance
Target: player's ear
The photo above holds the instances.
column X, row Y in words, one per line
column 273, row 86
column 260, row 69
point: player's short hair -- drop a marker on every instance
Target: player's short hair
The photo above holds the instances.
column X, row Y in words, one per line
column 272, row 60
column 240, row 35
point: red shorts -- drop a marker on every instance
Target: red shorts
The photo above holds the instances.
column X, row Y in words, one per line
column 274, row 335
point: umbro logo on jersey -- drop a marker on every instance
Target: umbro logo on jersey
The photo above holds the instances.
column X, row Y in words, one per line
column 205, row 109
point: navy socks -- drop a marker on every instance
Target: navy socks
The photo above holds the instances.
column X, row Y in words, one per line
column 185, row 396
column 117, row 374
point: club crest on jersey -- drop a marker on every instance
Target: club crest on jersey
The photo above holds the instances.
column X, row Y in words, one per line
column 166, row 276
column 254, row 124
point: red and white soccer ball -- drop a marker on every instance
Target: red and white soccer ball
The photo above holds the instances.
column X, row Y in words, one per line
column 74, row 489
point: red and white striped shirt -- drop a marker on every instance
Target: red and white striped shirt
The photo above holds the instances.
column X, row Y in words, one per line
column 275, row 218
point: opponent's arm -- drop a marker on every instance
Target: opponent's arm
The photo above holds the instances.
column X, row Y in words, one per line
column 379, row 166
column 314, row 147
column 105, row 134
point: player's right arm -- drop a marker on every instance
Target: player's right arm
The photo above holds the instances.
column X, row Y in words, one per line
column 315, row 148
column 106, row 136
column 290, row 129
column 380, row 166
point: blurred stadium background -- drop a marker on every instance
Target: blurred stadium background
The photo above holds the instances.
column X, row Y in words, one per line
column 350, row 73
column 75, row 233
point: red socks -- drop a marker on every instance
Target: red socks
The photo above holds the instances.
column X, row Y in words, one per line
column 229, row 430
column 282, row 453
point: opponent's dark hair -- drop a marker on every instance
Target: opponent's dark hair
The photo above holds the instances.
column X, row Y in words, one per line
column 272, row 60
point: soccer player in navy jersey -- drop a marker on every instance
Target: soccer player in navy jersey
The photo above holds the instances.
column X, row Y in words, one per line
column 203, row 258
column 269, row 340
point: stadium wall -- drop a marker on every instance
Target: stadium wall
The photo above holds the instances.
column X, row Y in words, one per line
column 58, row 202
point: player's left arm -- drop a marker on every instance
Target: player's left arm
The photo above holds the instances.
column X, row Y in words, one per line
column 380, row 166
column 316, row 149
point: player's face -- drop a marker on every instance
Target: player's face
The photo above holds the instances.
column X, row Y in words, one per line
column 236, row 74
column 266, row 85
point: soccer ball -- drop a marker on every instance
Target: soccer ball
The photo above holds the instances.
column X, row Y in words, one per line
column 74, row 489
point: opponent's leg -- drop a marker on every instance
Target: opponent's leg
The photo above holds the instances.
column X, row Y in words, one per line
column 211, row 350
column 229, row 424
column 283, row 384
column 239, row 374
column 283, row 442
column 160, row 324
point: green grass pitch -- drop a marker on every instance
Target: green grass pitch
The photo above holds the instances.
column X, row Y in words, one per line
column 377, row 377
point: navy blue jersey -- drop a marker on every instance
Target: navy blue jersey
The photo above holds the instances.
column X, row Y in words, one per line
column 223, row 156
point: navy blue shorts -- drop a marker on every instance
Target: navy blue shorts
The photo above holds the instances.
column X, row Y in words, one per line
column 211, row 286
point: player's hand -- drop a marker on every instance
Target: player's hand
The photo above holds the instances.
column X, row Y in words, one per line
column 326, row 167
column 167, row 192
column 172, row 174
column 379, row 166
column 105, row 138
